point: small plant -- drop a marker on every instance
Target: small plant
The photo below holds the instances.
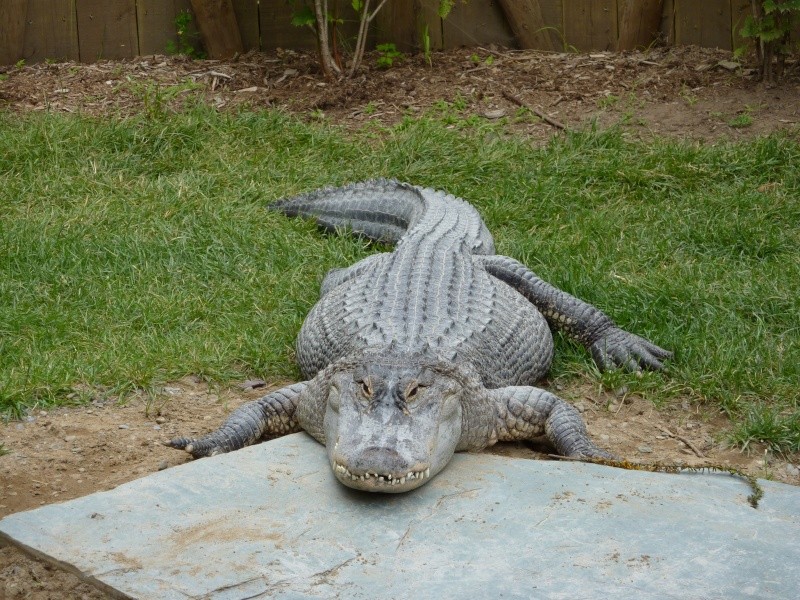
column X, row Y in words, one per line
column 155, row 401
column 488, row 61
column 770, row 27
column 688, row 96
column 459, row 102
column 426, row 45
column 608, row 101
column 387, row 54
column 156, row 98
column 20, row 63
column 4, row 450
column 741, row 121
column 323, row 23
column 187, row 37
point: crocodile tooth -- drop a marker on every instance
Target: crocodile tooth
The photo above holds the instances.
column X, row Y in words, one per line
column 410, row 475
column 427, row 472
column 381, row 479
column 402, row 480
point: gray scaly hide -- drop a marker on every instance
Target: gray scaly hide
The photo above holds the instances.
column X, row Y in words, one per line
column 433, row 348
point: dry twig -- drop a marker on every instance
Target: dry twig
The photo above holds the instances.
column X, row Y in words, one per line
column 549, row 120
column 682, row 439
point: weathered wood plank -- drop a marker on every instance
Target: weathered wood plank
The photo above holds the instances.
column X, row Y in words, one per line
column 156, row 19
column 247, row 19
column 475, row 24
column 12, row 30
column 50, row 31
column 740, row 10
column 553, row 17
column 706, row 23
column 107, row 29
column 639, row 22
column 401, row 24
column 527, row 22
column 590, row 24
column 218, row 27
column 428, row 14
column 275, row 17
column 668, row 22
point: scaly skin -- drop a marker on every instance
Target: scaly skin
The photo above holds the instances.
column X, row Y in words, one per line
column 412, row 355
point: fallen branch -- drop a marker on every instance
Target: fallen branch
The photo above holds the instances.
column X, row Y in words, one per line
column 549, row 120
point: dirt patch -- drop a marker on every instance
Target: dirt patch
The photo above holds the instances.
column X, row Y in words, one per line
column 688, row 92
column 66, row 453
column 684, row 93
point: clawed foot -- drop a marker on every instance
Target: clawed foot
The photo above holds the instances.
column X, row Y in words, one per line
column 197, row 448
column 618, row 348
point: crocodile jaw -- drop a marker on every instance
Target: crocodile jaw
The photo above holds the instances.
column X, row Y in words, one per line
column 387, row 448
column 381, row 482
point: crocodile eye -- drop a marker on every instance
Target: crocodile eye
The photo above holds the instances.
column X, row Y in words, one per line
column 366, row 391
column 412, row 390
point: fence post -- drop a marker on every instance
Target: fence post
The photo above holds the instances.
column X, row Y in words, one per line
column 12, row 32
column 527, row 23
column 218, row 27
column 639, row 22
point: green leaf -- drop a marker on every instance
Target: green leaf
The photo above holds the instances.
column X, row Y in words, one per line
column 749, row 29
column 357, row 5
column 303, row 17
column 445, row 6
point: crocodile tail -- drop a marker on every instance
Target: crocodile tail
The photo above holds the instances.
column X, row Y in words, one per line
column 381, row 210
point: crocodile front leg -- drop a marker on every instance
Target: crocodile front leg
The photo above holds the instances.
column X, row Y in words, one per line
column 609, row 345
column 527, row 413
column 273, row 414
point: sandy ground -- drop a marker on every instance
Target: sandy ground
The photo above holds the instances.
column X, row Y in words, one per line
column 56, row 455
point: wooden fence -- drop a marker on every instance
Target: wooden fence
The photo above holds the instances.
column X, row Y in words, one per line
column 88, row 30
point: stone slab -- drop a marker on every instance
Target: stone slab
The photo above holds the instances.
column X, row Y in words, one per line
column 270, row 521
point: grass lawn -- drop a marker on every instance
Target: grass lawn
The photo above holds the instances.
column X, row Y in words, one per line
column 136, row 251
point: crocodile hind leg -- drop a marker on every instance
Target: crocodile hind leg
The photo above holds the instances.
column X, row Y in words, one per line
column 609, row 345
column 527, row 413
column 271, row 415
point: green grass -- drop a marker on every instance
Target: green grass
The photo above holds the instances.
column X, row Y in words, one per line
column 136, row 251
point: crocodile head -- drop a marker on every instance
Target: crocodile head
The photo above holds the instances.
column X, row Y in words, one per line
column 391, row 425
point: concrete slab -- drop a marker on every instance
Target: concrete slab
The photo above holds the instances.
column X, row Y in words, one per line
column 271, row 521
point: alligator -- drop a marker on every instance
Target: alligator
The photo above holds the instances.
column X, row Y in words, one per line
column 431, row 349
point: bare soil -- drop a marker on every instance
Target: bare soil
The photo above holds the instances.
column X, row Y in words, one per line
column 56, row 455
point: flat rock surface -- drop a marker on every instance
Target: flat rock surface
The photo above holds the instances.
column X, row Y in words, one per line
column 271, row 521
